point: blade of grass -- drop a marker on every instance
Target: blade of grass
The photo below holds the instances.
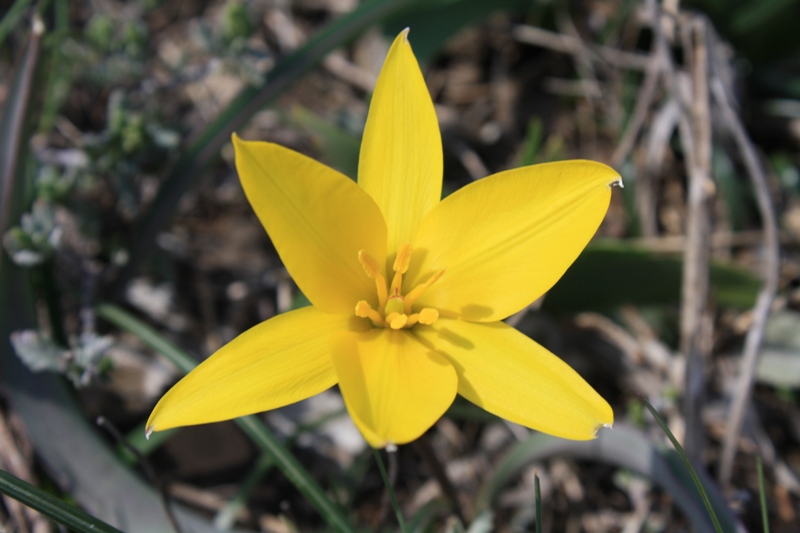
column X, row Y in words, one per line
column 251, row 425
column 686, row 460
column 762, row 492
column 386, row 481
column 52, row 507
column 12, row 18
column 12, row 124
column 205, row 147
column 142, row 444
column 538, row 496
column 624, row 447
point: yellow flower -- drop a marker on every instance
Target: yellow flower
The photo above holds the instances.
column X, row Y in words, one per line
column 408, row 292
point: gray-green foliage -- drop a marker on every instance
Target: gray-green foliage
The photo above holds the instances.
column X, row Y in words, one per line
column 81, row 363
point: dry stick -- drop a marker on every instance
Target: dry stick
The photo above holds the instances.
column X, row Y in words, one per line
column 568, row 44
column 645, row 195
column 11, row 460
column 771, row 278
column 655, row 64
column 585, row 109
column 695, row 330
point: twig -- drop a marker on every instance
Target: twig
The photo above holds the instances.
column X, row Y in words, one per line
column 695, row 325
column 720, row 240
column 755, row 334
column 653, row 70
column 568, row 44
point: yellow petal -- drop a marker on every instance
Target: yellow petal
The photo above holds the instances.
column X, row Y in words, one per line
column 318, row 221
column 281, row 361
column 394, row 387
column 506, row 239
column 508, row 374
column 400, row 164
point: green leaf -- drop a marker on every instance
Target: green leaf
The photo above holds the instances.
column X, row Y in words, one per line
column 338, row 147
column 608, row 275
column 52, row 507
column 12, row 18
column 623, row 447
column 688, row 463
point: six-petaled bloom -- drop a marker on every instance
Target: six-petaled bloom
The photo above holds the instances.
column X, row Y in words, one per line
column 408, row 291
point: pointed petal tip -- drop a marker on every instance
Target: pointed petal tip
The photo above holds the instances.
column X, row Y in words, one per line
column 148, row 431
column 607, row 425
column 405, row 33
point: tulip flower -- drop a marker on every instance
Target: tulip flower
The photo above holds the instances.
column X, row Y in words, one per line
column 408, row 291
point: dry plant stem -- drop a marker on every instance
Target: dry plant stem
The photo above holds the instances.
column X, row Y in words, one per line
column 14, row 461
column 720, row 240
column 568, row 44
column 426, row 451
column 755, row 334
column 653, row 69
column 695, row 325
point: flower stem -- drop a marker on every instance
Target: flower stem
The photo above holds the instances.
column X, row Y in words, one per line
column 390, row 490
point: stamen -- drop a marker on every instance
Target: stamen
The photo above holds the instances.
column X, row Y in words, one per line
column 394, row 310
column 400, row 267
column 428, row 316
column 364, row 310
column 373, row 270
column 370, row 264
column 417, row 291
column 399, row 322
column 403, row 259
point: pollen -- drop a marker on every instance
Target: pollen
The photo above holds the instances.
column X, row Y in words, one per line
column 394, row 310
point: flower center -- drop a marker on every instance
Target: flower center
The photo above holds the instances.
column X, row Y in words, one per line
column 395, row 310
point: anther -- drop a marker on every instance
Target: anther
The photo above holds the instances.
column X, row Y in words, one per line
column 373, row 270
column 428, row 316
column 403, row 259
column 400, row 267
column 364, row 310
column 399, row 321
column 417, row 291
column 370, row 264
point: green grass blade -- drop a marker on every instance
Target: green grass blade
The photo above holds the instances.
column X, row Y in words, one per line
column 762, row 492
column 12, row 18
column 154, row 340
column 251, row 425
column 688, row 463
column 207, row 144
column 538, row 492
column 52, row 507
column 13, row 117
column 386, row 481
column 137, row 439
